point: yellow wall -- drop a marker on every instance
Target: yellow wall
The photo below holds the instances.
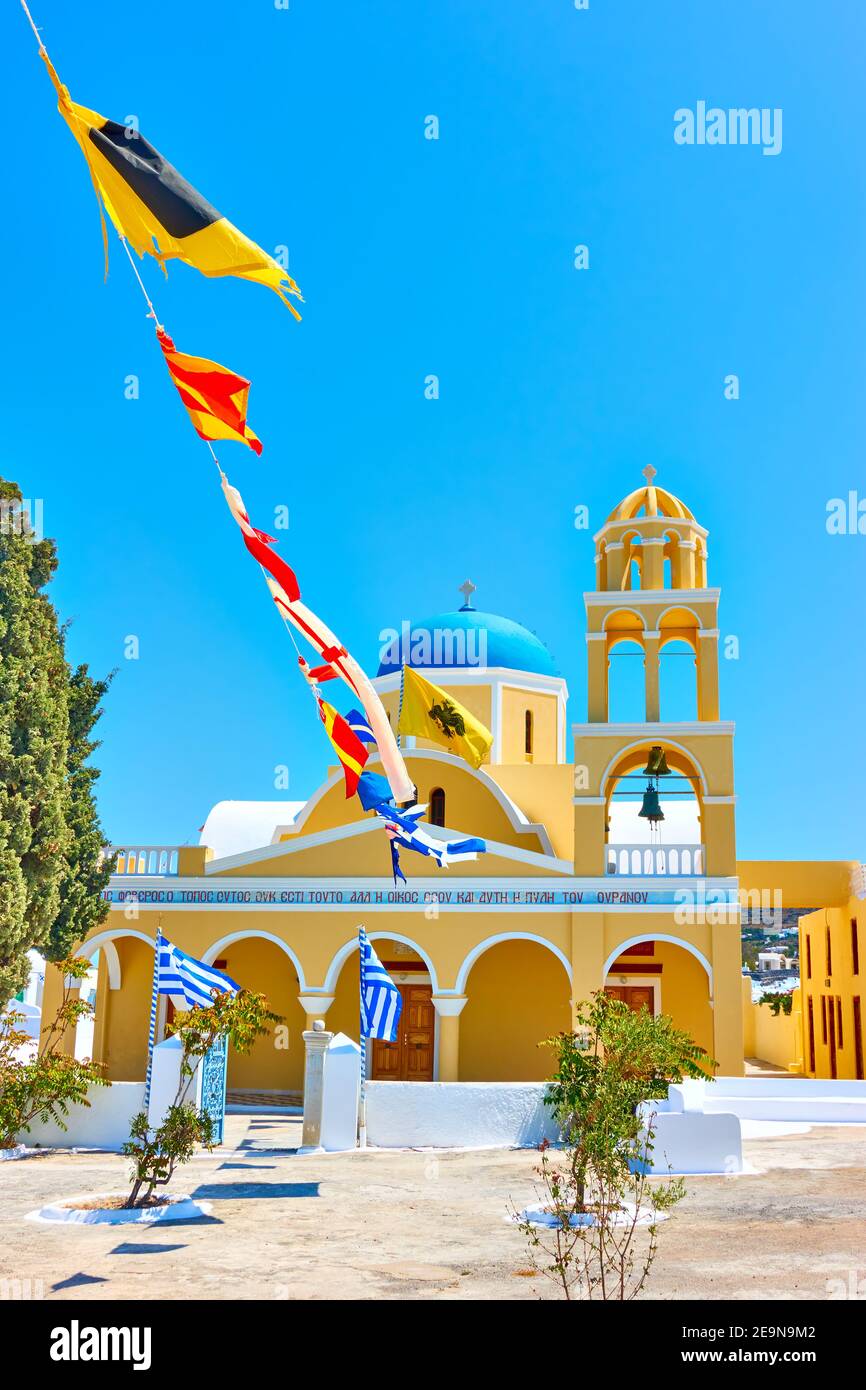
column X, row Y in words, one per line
column 270, row 1065
column 518, row 995
column 776, row 1039
column 129, row 1012
column 802, row 883
column 470, row 808
column 544, row 708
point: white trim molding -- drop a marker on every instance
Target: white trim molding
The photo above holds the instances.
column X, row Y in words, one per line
column 593, row 597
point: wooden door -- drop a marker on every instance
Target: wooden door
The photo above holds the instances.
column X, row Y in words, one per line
column 410, row 1058
column 636, row 996
column 418, row 1024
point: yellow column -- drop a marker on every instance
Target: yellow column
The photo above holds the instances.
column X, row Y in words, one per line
column 651, row 676
column 597, row 667
column 708, row 674
column 52, row 998
column 687, row 564
column 616, row 561
column 103, row 1011
column 449, row 1007
column 653, row 571
column 587, row 956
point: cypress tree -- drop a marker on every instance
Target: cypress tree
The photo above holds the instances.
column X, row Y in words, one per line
column 85, row 874
column 49, row 831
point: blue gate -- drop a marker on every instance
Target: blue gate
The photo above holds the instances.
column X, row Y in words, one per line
column 213, row 1085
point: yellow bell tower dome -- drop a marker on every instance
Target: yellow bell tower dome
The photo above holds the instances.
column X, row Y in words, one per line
column 651, row 541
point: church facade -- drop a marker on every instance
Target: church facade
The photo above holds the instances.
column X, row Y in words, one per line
column 582, row 887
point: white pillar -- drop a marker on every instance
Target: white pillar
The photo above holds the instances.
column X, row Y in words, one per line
column 316, row 1041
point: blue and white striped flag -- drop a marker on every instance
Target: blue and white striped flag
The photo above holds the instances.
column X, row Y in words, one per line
column 183, row 975
column 360, row 725
column 381, row 1002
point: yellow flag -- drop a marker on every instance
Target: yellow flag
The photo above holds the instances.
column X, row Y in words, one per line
column 155, row 209
column 430, row 712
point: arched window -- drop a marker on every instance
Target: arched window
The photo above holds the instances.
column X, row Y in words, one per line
column 527, row 733
column 436, row 810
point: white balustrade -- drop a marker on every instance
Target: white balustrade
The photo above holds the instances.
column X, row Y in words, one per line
column 157, row 861
column 654, row 861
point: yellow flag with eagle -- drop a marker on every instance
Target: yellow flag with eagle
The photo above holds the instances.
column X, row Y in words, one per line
column 155, row 209
column 430, row 712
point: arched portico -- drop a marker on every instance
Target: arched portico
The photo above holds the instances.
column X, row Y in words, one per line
column 667, row 974
column 517, row 987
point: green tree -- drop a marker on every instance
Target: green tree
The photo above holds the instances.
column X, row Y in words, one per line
column 596, row 1193
column 155, row 1154
column 43, row 1084
column 34, row 735
column 85, row 871
column 51, row 871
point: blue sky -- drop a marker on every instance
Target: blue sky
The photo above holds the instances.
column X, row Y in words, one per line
column 453, row 257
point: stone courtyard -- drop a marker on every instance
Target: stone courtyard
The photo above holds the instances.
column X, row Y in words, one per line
column 411, row 1224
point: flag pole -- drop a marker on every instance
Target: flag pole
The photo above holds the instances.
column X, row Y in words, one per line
column 362, row 1102
column 154, row 1005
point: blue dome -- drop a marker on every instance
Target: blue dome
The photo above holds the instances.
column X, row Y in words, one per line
column 467, row 639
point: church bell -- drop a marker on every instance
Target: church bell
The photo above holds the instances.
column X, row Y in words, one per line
column 651, row 809
column 657, row 765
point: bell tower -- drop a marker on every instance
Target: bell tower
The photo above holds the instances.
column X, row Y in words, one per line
column 651, row 590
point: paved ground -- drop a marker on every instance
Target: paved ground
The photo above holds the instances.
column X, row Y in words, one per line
column 417, row 1225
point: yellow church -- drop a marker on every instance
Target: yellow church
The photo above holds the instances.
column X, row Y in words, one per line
column 588, row 881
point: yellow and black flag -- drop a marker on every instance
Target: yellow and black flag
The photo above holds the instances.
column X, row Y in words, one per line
column 154, row 207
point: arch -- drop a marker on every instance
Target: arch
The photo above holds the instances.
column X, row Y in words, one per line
column 339, row 960
column 678, row 608
column 659, row 936
column 637, row 626
column 105, row 940
column 644, row 744
column 213, row 951
column 469, row 961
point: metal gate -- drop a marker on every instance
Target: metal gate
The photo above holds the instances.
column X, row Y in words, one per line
column 213, row 1085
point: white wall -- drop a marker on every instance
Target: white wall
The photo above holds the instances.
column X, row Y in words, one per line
column 103, row 1125
column 435, row 1114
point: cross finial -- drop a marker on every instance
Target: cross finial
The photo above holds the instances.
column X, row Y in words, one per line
column 649, row 473
column 467, row 589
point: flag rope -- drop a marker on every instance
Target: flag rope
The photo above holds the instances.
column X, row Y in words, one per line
column 153, row 315
column 33, row 26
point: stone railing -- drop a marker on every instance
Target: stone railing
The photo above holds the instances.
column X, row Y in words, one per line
column 654, row 861
column 153, row 860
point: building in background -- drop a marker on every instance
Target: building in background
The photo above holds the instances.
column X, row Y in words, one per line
column 615, row 870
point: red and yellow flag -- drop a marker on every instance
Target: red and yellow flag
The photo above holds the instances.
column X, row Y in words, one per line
column 215, row 397
column 348, row 747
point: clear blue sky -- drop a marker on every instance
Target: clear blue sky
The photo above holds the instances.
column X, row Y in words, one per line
column 306, row 127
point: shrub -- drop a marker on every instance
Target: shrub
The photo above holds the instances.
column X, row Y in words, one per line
column 44, row 1085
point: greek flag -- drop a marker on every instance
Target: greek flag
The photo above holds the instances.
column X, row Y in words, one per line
column 183, row 975
column 381, row 1003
